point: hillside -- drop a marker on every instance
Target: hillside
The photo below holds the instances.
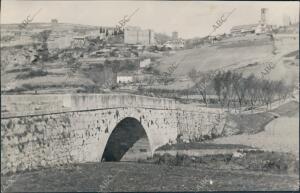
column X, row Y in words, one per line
column 248, row 57
column 65, row 69
column 21, row 72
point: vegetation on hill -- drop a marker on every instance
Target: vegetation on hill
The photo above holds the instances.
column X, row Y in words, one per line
column 48, row 62
column 231, row 89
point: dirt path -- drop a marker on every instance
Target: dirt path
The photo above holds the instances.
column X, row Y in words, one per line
column 281, row 134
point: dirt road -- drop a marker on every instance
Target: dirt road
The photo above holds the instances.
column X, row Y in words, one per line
column 281, row 134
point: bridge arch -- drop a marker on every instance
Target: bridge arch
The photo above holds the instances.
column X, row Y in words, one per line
column 123, row 137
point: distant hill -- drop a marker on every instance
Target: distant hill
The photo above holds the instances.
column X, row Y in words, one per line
column 238, row 55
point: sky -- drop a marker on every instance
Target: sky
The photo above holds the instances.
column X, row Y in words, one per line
column 189, row 18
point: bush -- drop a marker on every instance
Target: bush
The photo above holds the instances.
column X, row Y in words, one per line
column 18, row 70
column 90, row 89
column 7, row 38
column 252, row 160
column 32, row 74
column 178, row 138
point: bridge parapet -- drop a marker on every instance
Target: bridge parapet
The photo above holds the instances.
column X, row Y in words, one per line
column 95, row 101
column 23, row 105
column 198, row 109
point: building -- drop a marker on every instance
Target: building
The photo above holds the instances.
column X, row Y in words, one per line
column 213, row 39
column 78, row 42
column 243, row 29
column 145, row 63
column 290, row 29
column 258, row 28
column 54, row 21
column 124, row 78
column 135, row 35
column 286, row 20
column 144, row 78
column 174, row 44
column 105, row 32
column 263, row 28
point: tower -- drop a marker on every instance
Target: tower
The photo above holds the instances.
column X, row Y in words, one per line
column 286, row 20
column 263, row 15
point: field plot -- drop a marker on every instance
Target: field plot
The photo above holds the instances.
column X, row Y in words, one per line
column 212, row 58
column 244, row 58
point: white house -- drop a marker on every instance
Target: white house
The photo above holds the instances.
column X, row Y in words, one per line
column 145, row 63
column 173, row 44
column 124, row 79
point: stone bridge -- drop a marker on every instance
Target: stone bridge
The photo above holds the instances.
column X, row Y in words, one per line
column 49, row 130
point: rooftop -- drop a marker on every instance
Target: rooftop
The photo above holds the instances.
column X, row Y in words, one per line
column 244, row 27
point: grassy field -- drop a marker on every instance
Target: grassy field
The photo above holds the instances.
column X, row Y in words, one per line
column 122, row 176
column 211, row 58
column 248, row 123
column 247, row 160
column 217, row 57
column 247, row 59
column 195, row 145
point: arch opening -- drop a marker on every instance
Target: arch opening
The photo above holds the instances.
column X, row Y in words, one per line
column 127, row 142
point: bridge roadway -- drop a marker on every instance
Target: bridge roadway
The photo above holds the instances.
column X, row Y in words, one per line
column 48, row 130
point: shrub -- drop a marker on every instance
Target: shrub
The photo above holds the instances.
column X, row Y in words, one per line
column 32, row 74
column 178, row 138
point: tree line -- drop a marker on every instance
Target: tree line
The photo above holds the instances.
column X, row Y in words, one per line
column 233, row 89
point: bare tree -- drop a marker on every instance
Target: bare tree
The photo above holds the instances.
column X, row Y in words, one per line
column 193, row 75
column 239, row 86
column 282, row 90
column 218, row 86
column 203, row 85
column 231, row 87
column 42, row 50
column 202, row 82
column 227, row 91
column 268, row 92
column 252, row 89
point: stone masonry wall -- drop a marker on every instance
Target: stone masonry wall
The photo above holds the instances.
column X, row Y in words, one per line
column 49, row 138
column 73, row 137
column 199, row 125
